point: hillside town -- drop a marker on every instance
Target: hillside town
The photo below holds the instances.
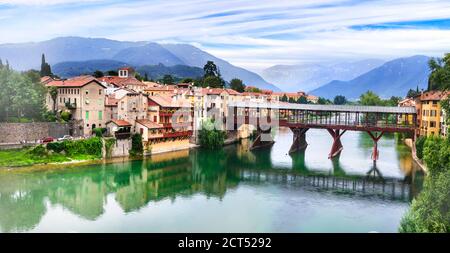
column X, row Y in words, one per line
column 123, row 106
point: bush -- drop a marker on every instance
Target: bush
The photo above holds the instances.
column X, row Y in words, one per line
column 55, row 146
column 91, row 146
column 66, row 116
column 108, row 146
column 210, row 137
column 98, row 132
column 136, row 145
column 38, row 151
column 420, row 142
column 431, row 154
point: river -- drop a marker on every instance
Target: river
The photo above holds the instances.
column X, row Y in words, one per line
column 232, row 190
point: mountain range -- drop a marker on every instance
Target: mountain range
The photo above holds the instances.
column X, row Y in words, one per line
column 394, row 78
column 306, row 77
column 24, row 56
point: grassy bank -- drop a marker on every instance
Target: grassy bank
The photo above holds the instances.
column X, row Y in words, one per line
column 60, row 152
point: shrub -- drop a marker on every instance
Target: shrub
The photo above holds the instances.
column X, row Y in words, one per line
column 38, row 151
column 420, row 142
column 55, row 146
column 91, row 146
column 66, row 116
column 431, row 154
column 98, row 132
column 108, row 146
column 210, row 137
column 136, row 145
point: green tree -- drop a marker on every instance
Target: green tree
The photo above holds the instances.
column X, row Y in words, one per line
column 210, row 69
column 45, row 68
column 167, row 79
column 137, row 148
column 370, row 98
column 445, row 105
column 210, row 137
column 284, row 98
column 412, row 93
column 98, row 74
column 187, row 80
column 323, row 101
column 420, row 143
column 213, row 82
column 254, row 89
column 439, row 78
column 340, row 100
column 392, row 101
column 112, row 73
column 302, row 100
column 237, row 85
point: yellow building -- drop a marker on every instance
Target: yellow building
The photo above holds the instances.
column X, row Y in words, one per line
column 431, row 113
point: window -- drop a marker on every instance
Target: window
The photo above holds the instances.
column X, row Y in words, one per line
column 75, row 100
column 432, row 123
column 100, row 92
column 87, row 115
column 87, row 92
column 100, row 115
column 155, row 119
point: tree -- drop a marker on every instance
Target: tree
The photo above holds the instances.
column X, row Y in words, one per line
column 412, row 93
column 291, row 100
column 302, row 100
column 210, row 69
column 98, row 74
column 167, row 79
column 445, row 104
column 254, row 89
column 210, row 137
column 53, row 91
column 45, row 68
column 439, row 78
column 187, row 80
column 340, row 100
column 146, row 77
column 213, row 82
column 392, row 101
column 237, row 85
column 370, row 98
column 112, row 73
column 323, row 101
column 284, row 98
column 137, row 148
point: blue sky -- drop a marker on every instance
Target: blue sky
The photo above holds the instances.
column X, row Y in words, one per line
column 254, row 34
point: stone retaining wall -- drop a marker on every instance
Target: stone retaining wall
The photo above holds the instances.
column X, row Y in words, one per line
column 17, row 132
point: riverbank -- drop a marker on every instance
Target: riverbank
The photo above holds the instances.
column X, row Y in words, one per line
column 410, row 144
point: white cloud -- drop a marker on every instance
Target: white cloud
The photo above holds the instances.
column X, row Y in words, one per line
column 242, row 32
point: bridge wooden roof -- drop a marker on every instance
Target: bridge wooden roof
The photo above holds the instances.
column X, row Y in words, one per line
column 332, row 108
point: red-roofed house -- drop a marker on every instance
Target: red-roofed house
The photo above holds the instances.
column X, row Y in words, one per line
column 82, row 96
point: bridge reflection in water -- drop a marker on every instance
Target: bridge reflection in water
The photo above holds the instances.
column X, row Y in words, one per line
column 25, row 197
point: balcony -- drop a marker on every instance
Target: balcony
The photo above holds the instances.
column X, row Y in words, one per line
column 71, row 106
column 122, row 135
column 177, row 134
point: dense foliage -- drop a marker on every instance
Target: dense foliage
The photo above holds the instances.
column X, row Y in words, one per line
column 137, row 148
column 372, row 99
column 430, row 211
column 340, row 100
column 420, row 142
column 210, row 137
column 237, row 85
column 109, row 142
column 22, row 96
column 440, row 73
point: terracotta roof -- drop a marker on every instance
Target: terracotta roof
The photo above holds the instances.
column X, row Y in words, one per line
column 121, row 81
column 78, row 81
column 121, row 123
column 148, row 124
column 212, row 91
column 233, row 92
column 434, row 95
column 159, row 88
column 46, row 79
column 167, row 101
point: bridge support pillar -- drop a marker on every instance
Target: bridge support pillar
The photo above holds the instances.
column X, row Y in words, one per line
column 299, row 140
column 263, row 139
column 375, row 137
column 337, row 147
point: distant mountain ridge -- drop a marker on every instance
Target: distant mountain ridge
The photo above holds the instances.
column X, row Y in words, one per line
column 73, row 68
column 307, row 77
column 394, row 78
column 25, row 56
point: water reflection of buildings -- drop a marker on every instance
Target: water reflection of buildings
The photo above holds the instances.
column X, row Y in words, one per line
column 135, row 184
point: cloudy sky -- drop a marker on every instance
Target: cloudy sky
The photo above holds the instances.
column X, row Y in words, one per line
column 254, row 34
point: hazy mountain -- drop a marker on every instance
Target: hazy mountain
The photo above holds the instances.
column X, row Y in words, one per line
column 150, row 54
column 70, row 69
column 307, row 77
column 25, row 56
column 177, row 71
column 393, row 78
column 193, row 56
column 75, row 68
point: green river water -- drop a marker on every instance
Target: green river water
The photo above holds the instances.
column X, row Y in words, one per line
column 232, row 190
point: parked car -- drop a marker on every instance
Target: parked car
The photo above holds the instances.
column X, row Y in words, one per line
column 65, row 137
column 48, row 139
